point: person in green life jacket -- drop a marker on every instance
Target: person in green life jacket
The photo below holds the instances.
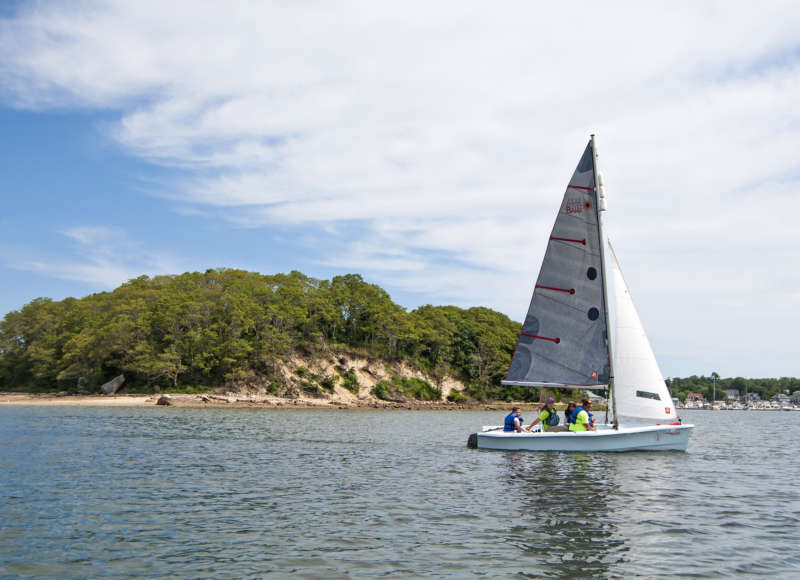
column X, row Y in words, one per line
column 583, row 417
column 544, row 415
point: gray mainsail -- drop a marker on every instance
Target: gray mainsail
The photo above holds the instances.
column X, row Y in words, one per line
column 564, row 336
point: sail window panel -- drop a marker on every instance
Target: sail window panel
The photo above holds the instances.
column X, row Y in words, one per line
column 648, row 395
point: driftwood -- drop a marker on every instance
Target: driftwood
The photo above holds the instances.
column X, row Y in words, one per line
column 113, row 385
column 218, row 398
column 164, row 400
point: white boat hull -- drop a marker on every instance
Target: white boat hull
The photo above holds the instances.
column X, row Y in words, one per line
column 606, row 438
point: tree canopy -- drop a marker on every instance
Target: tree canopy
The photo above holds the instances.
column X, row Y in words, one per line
column 205, row 330
column 208, row 329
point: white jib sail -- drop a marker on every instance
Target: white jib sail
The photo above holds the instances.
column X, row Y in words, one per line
column 639, row 388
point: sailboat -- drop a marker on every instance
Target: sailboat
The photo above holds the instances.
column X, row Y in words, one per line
column 565, row 341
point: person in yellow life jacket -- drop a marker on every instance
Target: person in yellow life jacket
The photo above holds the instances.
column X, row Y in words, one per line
column 583, row 417
column 548, row 417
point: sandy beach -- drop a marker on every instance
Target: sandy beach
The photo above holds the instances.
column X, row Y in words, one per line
column 50, row 399
column 233, row 400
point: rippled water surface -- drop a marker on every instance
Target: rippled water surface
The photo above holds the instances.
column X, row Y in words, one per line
column 87, row 492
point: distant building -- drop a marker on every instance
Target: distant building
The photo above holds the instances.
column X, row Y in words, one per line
column 696, row 397
column 732, row 394
column 753, row 397
column 796, row 397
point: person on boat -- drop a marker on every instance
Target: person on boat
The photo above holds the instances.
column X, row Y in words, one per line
column 548, row 417
column 514, row 421
column 569, row 413
column 583, row 417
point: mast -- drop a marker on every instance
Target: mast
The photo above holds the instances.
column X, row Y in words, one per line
column 601, row 207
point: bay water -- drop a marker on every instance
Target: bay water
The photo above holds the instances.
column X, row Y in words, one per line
column 232, row 493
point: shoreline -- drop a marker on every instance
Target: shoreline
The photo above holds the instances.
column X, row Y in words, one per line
column 232, row 401
column 245, row 401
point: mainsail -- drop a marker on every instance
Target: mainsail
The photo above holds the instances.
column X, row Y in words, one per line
column 639, row 389
column 564, row 337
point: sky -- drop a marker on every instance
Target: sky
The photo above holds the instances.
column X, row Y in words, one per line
column 424, row 145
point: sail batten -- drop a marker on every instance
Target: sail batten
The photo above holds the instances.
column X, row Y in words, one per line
column 566, row 319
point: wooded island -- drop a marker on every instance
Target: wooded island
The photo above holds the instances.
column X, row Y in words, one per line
column 230, row 328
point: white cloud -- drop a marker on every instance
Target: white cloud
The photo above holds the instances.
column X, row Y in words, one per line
column 91, row 235
column 102, row 256
column 448, row 131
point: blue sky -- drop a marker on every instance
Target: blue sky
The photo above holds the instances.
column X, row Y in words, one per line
column 425, row 146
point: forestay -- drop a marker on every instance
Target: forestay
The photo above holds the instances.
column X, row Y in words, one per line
column 564, row 337
column 639, row 388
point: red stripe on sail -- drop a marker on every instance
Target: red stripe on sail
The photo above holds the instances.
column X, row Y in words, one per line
column 569, row 240
column 556, row 340
column 580, row 187
column 568, row 290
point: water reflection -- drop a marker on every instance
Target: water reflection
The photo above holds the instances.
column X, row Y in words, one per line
column 565, row 524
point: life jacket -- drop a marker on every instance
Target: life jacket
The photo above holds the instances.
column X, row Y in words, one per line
column 509, row 422
column 552, row 418
column 574, row 417
column 569, row 417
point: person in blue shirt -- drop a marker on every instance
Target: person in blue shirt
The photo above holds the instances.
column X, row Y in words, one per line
column 514, row 421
